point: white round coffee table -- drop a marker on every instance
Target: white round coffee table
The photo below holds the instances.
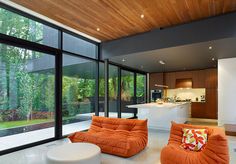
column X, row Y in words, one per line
column 74, row 153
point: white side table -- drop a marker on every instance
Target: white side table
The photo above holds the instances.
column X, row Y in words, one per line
column 74, row 153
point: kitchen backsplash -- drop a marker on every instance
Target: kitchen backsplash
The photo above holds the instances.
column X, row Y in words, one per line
column 183, row 94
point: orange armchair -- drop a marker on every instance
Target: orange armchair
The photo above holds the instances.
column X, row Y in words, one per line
column 216, row 150
column 121, row 137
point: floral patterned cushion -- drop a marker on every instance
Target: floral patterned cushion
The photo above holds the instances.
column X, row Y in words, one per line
column 194, row 139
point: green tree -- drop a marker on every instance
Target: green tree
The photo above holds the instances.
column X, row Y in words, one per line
column 70, row 95
column 140, row 85
column 26, row 94
column 14, row 60
column 49, row 93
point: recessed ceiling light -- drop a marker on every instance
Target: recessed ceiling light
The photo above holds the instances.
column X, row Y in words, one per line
column 98, row 29
column 123, row 60
column 210, row 47
column 162, row 62
column 142, row 16
column 213, row 59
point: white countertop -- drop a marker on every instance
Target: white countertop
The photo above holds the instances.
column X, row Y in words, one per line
column 159, row 116
column 156, row 105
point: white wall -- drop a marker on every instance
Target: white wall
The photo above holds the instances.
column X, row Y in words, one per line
column 227, row 91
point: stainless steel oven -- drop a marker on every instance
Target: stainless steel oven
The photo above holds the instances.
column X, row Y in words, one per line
column 156, row 94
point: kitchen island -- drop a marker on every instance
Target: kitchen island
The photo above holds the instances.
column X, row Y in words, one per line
column 160, row 115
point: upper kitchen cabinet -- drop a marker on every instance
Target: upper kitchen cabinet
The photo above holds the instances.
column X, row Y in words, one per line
column 199, row 78
column 184, row 75
column 211, row 78
column 184, row 83
column 169, row 79
column 155, row 78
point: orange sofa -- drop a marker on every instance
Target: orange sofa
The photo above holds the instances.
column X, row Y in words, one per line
column 216, row 150
column 121, row 137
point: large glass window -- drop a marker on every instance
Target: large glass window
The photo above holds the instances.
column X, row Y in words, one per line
column 21, row 27
column 78, row 93
column 27, row 83
column 127, row 94
column 79, row 46
column 27, row 96
column 113, row 91
column 140, row 88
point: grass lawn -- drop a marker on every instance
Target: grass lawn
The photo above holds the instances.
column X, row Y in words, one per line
column 13, row 124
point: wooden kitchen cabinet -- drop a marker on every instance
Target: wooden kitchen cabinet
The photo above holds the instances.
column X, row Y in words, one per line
column 183, row 83
column 211, row 84
column 211, row 78
column 155, row 78
column 198, row 110
column 211, row 103
column 169, row 80
column 199, row 78
column 206, row 79
column 209, row 109
column 184, row 75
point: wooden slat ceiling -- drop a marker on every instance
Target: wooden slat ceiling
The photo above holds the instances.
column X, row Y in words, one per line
column 121, row 18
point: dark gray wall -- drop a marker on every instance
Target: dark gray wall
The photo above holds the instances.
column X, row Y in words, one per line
column 199, row 31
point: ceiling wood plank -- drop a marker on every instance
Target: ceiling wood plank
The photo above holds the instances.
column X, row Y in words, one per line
column 121, row 18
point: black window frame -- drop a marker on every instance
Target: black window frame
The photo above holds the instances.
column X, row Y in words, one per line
column 20, row 43
column 135, row 71
column 58, row 53
column 96, row 85
column 78, row 37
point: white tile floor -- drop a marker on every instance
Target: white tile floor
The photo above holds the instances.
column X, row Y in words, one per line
column 151, row 155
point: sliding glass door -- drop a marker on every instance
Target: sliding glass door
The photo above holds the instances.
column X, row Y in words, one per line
column 127, row 94
column 140, row 88
column 113, row 91
column 27, row 96
column 132, row 91
column 78, row 93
